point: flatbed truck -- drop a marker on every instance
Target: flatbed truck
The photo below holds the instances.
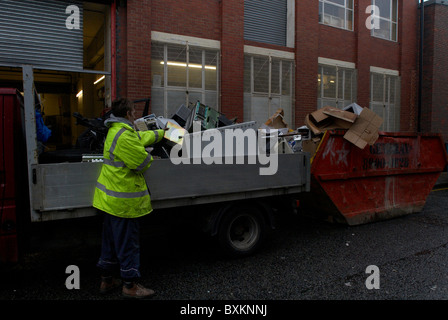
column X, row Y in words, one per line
column 34, row 193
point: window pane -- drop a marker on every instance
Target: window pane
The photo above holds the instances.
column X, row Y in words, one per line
column 286, row 77
column 350, row 4
column 261, row 74
column 349, row 22
column 340, row 2
column 260, row 109
column 211, row 99
column 321, row 12
column 394, row 32
column 384, row 30
column 286, row 105
column 211, row 70
column 328, row 102
column 341, row 74
column 194, row 96
column 377, row 87
column 157, row 66
column 258, row 105
column 386, row 100
column 378, row 108
column 157, row 101
column 202, row 74
column 395, row 10
column 337, row 13
column 392, row 87
column 384, row 7
column 194, row 68
column 329, row 82
column 275, row 76
column 349, row 86
column 397, row 106
column 334, row 15
column 247, row 79
column 319, row 83
column 176, row 66
column 174, row 100
column 327, row 91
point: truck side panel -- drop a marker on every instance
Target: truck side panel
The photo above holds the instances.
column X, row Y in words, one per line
column 62, row 190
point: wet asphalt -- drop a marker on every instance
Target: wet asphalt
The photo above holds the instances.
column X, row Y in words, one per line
column 302, row 260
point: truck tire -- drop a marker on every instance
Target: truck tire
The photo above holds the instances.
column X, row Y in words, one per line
column 241, row 231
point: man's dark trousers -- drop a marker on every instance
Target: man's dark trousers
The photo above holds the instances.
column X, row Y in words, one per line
column 120, row 247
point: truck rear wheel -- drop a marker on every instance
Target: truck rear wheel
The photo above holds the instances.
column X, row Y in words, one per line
column 241, row 231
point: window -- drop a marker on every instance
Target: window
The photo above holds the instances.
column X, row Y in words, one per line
column 268, row 86
column 387, row 15
column 183, row 74
column 385, row 98
column 336, row 86
column 336, row 13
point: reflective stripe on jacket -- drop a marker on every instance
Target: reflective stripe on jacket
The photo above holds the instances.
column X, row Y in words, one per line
column 121, row 187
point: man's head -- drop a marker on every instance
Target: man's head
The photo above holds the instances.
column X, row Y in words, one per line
column 123, row 108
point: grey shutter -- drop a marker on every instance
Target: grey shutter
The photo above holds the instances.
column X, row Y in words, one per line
column 265, row 21
column 35, row 32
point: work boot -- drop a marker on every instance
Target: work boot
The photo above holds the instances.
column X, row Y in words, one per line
column 109, row 284
column 136, row 291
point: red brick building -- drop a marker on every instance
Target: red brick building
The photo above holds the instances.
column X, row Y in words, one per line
column 258, row 55
column 435, row 68
column 244, row 58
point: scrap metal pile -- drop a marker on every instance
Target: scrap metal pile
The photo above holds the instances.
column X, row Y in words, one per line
column 181, row 123
column 361, row 125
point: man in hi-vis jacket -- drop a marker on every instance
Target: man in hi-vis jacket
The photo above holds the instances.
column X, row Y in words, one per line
column 122, row 195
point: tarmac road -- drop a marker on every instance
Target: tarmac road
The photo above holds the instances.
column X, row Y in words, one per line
column 302, row 260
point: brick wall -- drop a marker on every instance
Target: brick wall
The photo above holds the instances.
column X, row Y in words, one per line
column 196, row 18
column 224, row 21
column 428, row 63
column 315, row 40
column 408, row 62
column 307, row 51
column 232, row 58
column 439, row 89
column 121, row 52
column 134, row 50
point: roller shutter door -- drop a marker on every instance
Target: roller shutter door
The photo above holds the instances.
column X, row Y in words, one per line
column 265, row 21
column 35, row 32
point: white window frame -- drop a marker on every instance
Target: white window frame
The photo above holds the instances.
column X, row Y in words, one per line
column 251, row 51
column 346, row 9
column 187, row 41
column 389, row 20
column 387, row 106
column 337, row 64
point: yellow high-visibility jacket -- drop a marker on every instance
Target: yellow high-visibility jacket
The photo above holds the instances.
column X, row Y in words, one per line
column 121, row 187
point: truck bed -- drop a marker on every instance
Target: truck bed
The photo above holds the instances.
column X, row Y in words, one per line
column 65, row 190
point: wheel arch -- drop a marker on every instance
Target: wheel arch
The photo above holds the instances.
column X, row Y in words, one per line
column 218, row 214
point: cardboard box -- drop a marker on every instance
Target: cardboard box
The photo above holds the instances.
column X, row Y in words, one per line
column 365, row 129
column 328, row 118
column 276, row 121
column 354, row 107
column 340, row 114
column 311, row 145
